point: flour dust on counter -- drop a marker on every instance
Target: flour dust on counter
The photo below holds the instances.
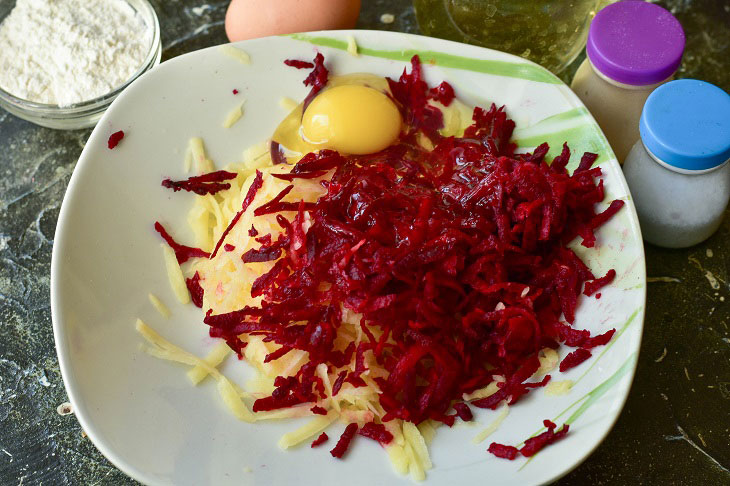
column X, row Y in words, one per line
column 61, row 53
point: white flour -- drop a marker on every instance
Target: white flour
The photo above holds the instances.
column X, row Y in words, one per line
column 67, row 51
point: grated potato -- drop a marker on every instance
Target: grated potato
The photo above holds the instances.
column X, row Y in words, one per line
column 161, row 308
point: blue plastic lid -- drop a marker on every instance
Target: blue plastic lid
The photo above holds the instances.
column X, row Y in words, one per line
column 686, row 124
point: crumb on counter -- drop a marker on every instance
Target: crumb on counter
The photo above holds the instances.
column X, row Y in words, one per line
column 65, row 409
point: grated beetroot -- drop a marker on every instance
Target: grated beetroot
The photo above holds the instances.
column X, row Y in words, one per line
column 463, row 411
column 377, row 432
column 261, row 255
column 317, row 79
column 586, row 231
column 593, row 285
column 443, row 93
column 195, row 290
column 535, row 444
column 320, row 440
column 277, row 155
column 209, row 183
column 575, row 358
column 338, row 383
column 411, row 92
column 503, row 451
column 229, row 247
column 318, row 410
column 583, row 339
column 514, row 388
column 182, row 253
column 250, row 195
column 532, row 445
column 454, row 257
column 304, row 175
column 344, row 443
column 275, row 205
column 586, row 162
column 114, row 139
column 298, row 64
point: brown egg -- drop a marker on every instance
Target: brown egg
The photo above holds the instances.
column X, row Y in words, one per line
column 247, row 19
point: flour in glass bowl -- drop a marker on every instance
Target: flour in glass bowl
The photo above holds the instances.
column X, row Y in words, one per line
column 62, row 52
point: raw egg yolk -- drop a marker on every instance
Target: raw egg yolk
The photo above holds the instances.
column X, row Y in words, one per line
column 352, row 119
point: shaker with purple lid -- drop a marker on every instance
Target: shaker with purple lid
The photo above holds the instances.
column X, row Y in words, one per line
column 632, row 48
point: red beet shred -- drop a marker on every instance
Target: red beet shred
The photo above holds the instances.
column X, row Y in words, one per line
column 593, row 285
column 318, row 410
column 376, row 432
column 532, row 445
column 320, row 440
column 250, row 195
column 299, row 64
column 443, row 93
column 535, row 444
column 344, row 443
column 277, row 155
column 317, row 79
column 210, row 183
column 574, row 359
column 114, row 139
column 503, row 451
column 463, row 411
column 195, row 290
column 182, row 253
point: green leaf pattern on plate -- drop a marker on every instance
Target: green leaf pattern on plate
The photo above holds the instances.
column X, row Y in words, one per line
column 530, row 72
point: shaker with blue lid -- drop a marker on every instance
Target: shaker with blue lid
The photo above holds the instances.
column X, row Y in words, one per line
column 678, row 171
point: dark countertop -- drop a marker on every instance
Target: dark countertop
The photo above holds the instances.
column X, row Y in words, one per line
column 675, row 428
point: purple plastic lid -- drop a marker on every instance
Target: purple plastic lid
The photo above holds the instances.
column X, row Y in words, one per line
column 636, row 43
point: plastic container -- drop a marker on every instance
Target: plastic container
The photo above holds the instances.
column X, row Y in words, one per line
column 86, row 113
column 632, row 48
column 678, row 171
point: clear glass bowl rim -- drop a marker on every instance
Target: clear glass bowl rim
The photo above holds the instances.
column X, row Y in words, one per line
column 94, row 105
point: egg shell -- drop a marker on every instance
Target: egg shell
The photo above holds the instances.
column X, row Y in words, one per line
column 248, row 19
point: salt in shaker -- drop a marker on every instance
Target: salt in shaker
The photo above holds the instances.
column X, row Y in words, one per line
column 678, row 171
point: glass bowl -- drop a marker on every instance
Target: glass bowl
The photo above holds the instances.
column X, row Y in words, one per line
column 86, row 113
column 549, row 32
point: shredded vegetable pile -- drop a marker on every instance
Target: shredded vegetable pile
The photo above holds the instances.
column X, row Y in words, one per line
column 392, row 290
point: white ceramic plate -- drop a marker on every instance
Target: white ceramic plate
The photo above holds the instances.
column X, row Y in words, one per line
column 142, row 413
